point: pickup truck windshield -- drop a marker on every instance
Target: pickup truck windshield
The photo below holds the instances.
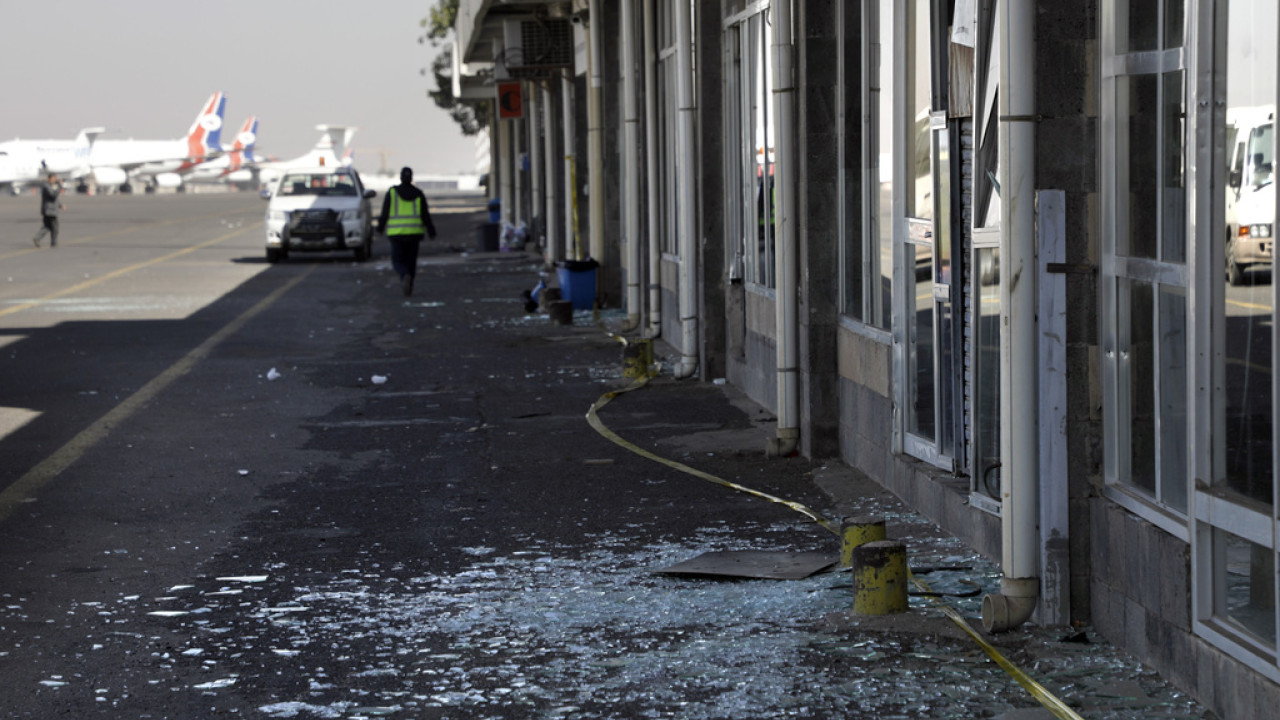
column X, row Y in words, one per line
column 321, row 184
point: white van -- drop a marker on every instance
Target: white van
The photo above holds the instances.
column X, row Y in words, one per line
column 1251, row 195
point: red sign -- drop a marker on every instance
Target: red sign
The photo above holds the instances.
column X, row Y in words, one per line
column 510, row 100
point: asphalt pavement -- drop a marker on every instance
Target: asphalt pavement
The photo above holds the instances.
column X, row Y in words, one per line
column 314, row 497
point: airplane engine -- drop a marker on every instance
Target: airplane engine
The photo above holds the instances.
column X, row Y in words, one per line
column 169, row 180
column 110, row 176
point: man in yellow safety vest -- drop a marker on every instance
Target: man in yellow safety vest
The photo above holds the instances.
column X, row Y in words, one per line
column 405, row 219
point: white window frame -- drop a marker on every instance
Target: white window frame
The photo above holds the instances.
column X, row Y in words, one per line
column 1203, row 278
column 1113, row 316
column 1212, row 511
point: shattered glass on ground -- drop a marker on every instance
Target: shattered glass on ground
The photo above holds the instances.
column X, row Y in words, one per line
column 593, row 631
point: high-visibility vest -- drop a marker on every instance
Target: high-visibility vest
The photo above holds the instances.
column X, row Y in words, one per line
column 405, row 217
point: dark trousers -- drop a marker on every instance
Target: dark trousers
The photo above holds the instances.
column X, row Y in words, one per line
column 51, row 228
column 404, row 254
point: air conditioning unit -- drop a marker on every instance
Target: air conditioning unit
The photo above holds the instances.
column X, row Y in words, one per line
column 535, row 48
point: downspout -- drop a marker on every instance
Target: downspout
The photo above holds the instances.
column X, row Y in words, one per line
column 535, row 163
column 788, row 286
column 595, row 128
column 571, row 247
column 495, row 178
column 553, row 212
column 505, row 165
column 515, row 133
column 631, row 161
column 1019, row 372
column 686, row 218
column 651, row 170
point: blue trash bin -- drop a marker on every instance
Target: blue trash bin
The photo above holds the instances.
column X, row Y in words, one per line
column 495, row 210
column 578, row 283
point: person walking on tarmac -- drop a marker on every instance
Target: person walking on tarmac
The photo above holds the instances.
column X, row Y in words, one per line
column 50, row 204
column 404, row 219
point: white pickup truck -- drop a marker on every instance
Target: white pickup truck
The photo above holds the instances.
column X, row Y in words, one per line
column 317, row 209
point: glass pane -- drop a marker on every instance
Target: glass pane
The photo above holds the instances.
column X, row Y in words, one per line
column 735, row 153
column 920, row 342
column 1248, row 312
column 853, row 245
column 920, row 190
column 1139, row 95
column 1245, row 582
column 942, row 236
column 1173, row 397
column 1143, row 31
column 1249, row 413
column 987, row 373
column 1174, row 22
column 1140, row 376
column 883, row 195
column 766, row 192
column 946, row 352
column 1172, row 138
column 944, row 316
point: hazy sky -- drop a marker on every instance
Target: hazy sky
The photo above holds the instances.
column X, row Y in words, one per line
column 142, row 68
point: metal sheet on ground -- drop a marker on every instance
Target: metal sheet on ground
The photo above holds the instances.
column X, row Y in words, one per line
column 760, row 564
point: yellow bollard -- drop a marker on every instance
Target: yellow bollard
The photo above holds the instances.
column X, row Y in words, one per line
column 858, row 531
column 637, row 356
column 880, row 578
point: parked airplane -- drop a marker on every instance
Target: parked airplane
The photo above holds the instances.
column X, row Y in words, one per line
column 327, row 151
column 30, row 161
column 160, row 162
column 235, row 165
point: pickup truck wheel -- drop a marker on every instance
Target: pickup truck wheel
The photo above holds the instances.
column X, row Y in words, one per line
column 273, row 255
column 1235, row 273
column 362, row 253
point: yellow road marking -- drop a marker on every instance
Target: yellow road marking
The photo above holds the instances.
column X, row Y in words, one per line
column 120, row 271
column 75, row 448
column 1249, row 305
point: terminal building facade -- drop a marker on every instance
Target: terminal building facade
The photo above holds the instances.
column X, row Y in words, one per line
column 1012, row 260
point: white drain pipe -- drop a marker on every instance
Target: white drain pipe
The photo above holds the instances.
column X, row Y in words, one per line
column 571, row 248
column 687, row 219
column 595, row 129
column 631, row 163
column 651, row 170
column 549, row 143
column 1019, row 366
column 786, row 311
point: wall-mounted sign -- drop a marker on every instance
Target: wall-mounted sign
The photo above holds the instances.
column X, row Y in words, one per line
column 510, row 101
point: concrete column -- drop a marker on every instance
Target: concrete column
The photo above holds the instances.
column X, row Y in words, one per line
column 818, row 64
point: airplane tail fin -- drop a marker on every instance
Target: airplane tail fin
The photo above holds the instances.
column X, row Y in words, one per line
column 84, row 149
column 333, row 143
column 87, row 136
column 348, row 157
column 242, row 149
column 205, row 136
